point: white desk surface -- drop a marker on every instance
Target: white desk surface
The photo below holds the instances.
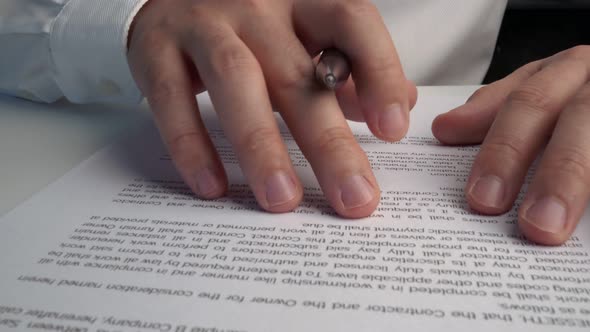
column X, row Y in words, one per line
column 39, row 143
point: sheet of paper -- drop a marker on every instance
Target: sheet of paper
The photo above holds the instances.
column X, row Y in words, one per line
column 119, row 244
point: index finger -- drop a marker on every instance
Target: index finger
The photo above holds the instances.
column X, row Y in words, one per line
column 357, row 29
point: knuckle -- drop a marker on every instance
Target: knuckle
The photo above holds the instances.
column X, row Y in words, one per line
column 572, row 162
column 504, row 148
column 182, row 142
column 258, row 141
column 384, row 65
column 231, row 58
column 531, row 69
column 256, row 6
column 352, row 9
column 575, row 64
column 581, row 102
column 334, row 140
column 579, row 52
column 199, row 12
column 150, row 40
column 297, row 75
column 574, row 68
column 161, row 91
column 531, row 97
column 478, row 93
column 202, row 24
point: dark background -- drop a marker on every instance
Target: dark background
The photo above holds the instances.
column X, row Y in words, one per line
column 532, row 34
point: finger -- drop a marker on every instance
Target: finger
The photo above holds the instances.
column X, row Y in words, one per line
column 315, row 120
column 350, row 105
column 469, row 123
column 559, row 193
column 519, row 131
column 163, row 79
column 412, row 94
column 238, row 91
column 339, row 163
column 356, row 29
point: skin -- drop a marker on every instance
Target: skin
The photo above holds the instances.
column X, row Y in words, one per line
column 251, row 55
column 180, row 47
column 543, row 105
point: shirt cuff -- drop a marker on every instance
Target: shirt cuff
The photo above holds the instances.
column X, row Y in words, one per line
column 88, row 42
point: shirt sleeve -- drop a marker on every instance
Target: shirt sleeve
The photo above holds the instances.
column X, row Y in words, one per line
column 72, row 48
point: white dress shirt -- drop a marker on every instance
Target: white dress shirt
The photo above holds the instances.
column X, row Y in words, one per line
column 77, row 48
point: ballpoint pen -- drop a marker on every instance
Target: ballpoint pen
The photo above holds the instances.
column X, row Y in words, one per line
column 333, row 69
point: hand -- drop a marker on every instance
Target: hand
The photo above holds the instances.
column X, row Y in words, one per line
column 543, row 103
column 252, row 54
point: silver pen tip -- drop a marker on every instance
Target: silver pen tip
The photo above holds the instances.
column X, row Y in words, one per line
column 330, row 81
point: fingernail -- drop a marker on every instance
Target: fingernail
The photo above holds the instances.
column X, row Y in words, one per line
column 355, row 192
column 547, row 214
column 207, row 183
column 488, row 191
column 280, row 189
column 392, row 120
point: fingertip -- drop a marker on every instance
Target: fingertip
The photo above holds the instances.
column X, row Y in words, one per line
column 544, row 220
column 462, row 125
column 284, row 207
column 437, row 129
column 280, row 193
column 390, row 124
column 208, row 183
column 360, row 212
column 213, row 195
column 540, row 236
column 489, row 195
column 486, row 210
column 357, row 197
column 443, row 129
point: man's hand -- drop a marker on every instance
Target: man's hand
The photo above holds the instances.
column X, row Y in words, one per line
column 543, row 103
column 251, row 54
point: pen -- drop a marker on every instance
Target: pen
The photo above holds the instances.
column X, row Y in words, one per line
column 333, row 69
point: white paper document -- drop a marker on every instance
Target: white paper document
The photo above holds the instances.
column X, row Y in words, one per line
column 120, row 244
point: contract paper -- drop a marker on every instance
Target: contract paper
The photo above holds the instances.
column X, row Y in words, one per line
column 120, row 244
